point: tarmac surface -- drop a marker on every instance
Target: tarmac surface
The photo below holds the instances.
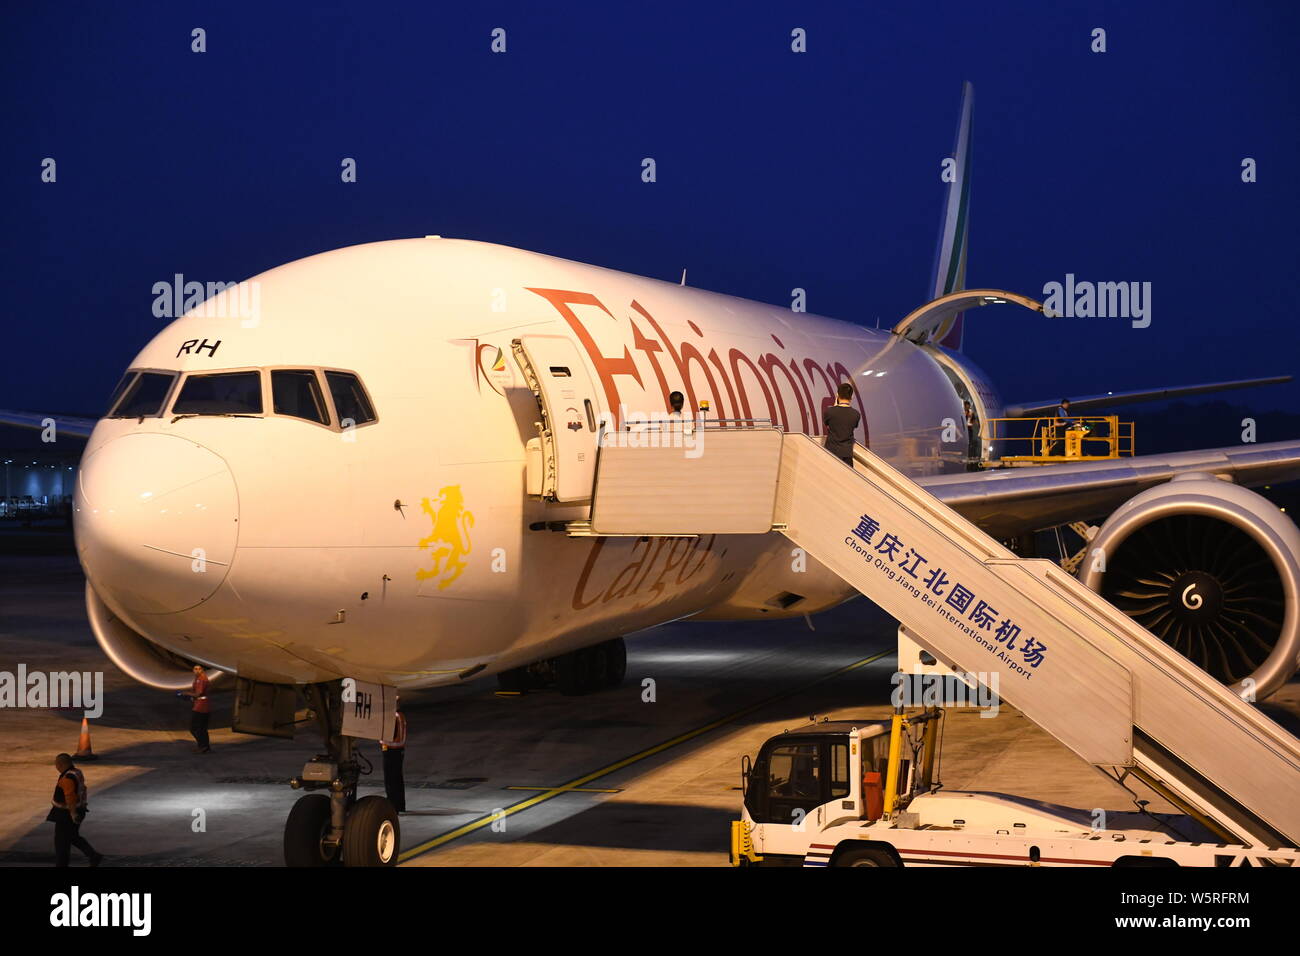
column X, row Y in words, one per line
column 644, row 774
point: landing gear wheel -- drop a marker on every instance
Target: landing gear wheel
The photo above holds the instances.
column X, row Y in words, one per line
column 615, row 662
column 1144, row 861
column 573, row 673
column 304, row 832
column 865, row 858
column 515, row 681
column 599, row 656
column 372, row 834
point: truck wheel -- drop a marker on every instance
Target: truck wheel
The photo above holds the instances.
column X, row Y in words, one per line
column 304, row 832
column 865, row 857
column 615, row 662
column 371, row 834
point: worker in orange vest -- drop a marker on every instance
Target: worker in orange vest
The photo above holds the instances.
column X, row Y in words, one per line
column 394, row 754
column 67, row 810
column 202, row 711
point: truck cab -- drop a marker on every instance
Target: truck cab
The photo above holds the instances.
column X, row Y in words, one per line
column 863, row 793
column 811, row 778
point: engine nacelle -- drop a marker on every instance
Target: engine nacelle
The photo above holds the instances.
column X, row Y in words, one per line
column 1213, row 570
column 135, row 656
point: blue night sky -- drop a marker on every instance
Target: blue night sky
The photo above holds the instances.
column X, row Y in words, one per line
column 775, row 170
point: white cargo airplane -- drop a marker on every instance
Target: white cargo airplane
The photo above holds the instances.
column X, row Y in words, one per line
column 338, row 486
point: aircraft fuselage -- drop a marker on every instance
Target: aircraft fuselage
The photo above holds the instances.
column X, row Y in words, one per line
column 403, row 550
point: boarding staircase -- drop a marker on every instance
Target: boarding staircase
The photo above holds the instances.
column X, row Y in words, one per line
column 1072, row 663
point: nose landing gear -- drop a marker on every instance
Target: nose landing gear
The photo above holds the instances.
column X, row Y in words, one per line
column 306, row 834
column 336, row 828
column 371, row 833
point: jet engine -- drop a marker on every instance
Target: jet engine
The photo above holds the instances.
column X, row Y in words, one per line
column 1213, row 570
column 135, row 656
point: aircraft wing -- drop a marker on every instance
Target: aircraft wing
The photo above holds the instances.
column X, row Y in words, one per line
column 69, row 425
column 1012, row 501
column 1111, row 399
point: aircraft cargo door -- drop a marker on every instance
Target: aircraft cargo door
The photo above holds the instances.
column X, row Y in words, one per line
column 553, row 368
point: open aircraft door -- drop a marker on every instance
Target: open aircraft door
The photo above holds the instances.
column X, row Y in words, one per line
column 569, row 428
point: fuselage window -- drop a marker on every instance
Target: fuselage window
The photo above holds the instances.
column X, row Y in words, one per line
column 295, row 392
column 350, row 401
column 144, row 396
column 220, row 393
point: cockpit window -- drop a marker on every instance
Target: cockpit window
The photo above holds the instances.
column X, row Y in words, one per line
column 127, row 379
column 296, row 392
column 220, row 393
column 143, row 396
column 350, row 399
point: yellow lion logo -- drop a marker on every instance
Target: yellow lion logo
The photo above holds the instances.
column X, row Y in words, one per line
column 448, row 543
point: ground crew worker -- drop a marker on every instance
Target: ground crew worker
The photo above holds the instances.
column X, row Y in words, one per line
column 67, row 811
column 394, row 754
column 841, row 421
column 202, row 711
column 1063, row 422
column 1063, row 412
column 973, row 456
column 678, row 421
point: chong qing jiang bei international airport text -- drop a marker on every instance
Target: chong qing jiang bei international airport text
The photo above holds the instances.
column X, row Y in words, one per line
column 981, row 614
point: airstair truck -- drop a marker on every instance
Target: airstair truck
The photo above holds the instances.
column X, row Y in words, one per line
column 1078, row 667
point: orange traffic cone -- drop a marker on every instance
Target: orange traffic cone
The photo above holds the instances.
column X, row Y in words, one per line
column 83, row 743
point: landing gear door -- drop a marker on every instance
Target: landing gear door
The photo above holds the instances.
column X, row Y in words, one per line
column 369, row 710
column 553, row 368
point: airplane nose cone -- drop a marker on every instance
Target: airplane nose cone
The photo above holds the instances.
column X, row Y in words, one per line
column 156, row 521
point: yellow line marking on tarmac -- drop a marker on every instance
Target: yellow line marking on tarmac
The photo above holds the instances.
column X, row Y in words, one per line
column 570, row 789
column 490, row 818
